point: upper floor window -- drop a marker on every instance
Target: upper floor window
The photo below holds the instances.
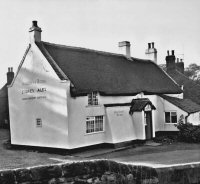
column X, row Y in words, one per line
column 93, row 98
column 171, row 117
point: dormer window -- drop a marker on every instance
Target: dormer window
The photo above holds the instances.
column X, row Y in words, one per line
column 93, row 98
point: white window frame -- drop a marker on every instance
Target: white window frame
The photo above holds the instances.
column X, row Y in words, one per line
column 93, row 98
column 93, row 125
column 171, row 117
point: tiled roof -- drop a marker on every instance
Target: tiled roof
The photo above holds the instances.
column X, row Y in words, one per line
column 186, row 105
column 140, row 104
column 191, row 89
column 108, row 73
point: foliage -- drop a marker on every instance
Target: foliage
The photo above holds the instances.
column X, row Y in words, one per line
column 188, row 132
column 193, row 72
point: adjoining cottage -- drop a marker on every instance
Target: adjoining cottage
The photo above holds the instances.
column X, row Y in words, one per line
column 191, row 89
column 70, row 97
column 4, row 110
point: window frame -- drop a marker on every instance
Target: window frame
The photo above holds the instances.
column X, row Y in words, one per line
column 93, row 98
column 96, row 125
column 170, row 117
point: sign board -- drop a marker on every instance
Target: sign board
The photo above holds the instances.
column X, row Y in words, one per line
column 147, row 108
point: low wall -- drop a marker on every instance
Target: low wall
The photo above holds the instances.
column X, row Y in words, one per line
column 100, row 172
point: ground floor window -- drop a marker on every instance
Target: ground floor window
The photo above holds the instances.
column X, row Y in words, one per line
column 94, row 124
column 171, row 117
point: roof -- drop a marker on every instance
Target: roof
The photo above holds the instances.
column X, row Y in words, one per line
column 108, row 73
column 191, row 90
column 186, row 105
column 139, row 105
column 3, row 91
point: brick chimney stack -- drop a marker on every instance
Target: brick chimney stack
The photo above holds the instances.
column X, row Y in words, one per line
column 170, row 61
column 35, row 32
column 180, row 65
column 10, row 75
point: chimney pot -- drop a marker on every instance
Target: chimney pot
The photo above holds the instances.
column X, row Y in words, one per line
column 149, row 45
column 177, row 60
column 35, row 23
column 152, row 45
column 172, row 52
column 168, row 53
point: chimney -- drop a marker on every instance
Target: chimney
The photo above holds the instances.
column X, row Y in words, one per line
column 170, row 61
column 35, row 32
column 180, row 66
column 10, row 75
column 125, row 48
column 151, row 52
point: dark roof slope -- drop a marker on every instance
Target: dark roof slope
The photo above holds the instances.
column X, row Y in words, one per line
column 3, row 91
column 107, row 73
column 191, row 89
column 186, row 105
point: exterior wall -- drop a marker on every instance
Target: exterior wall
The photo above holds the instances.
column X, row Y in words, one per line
column 37, row 92
column 165, row 106
column 78, row 111
column 119, row 126
column 194, row 118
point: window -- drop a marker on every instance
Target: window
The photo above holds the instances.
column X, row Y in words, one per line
column 38, row 122
column 93, row 98
column 170, row 117
column 94, row 124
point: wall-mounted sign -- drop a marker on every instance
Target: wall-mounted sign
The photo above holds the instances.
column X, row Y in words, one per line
column 147, row 108
column 119, row 113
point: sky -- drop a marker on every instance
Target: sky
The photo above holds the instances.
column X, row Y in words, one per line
column 100, row 25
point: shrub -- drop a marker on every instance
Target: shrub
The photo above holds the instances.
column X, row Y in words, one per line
column 188, row 132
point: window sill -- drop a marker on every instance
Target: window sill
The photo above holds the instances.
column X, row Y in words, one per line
column 170, row 123
column 93, row 106
column 94, row 133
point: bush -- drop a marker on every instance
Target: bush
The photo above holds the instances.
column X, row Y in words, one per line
column 188, row 132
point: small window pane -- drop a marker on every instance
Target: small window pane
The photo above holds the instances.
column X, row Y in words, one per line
column 167, row 117
column 173, row 117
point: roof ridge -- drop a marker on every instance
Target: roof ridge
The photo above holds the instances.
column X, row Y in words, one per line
column 96, row 51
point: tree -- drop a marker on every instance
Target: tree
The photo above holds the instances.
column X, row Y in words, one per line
column 193, row 72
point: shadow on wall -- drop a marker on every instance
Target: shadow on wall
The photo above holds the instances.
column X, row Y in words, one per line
column 38, row 105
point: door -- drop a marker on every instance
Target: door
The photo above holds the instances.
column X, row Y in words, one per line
column 148, row 125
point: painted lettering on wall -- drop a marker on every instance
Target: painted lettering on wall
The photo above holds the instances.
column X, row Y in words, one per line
column 27, row 91
column 119, row 113
column 37, row 81
column 34, row 92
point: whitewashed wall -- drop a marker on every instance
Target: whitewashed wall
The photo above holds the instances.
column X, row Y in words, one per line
column 165, row 106
column 37, row 92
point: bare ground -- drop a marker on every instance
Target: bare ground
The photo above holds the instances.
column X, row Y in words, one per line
column 175, row 153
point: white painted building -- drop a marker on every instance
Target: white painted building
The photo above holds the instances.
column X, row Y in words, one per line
column 69, row 97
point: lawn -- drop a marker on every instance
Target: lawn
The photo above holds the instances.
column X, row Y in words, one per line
column 175, row 153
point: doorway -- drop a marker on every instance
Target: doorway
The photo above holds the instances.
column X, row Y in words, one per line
column 148, row 124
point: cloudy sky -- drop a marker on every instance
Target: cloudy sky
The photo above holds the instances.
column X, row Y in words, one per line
column 100, row 25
